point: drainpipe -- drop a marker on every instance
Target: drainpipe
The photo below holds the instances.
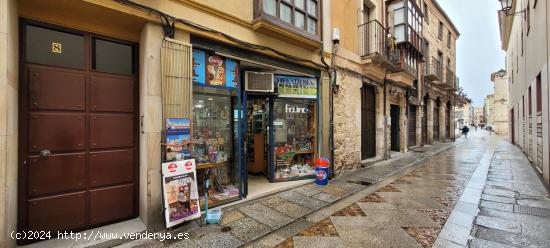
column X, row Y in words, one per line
column 385, row 117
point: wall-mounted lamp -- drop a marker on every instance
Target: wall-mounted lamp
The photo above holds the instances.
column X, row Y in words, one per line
column 506, row 6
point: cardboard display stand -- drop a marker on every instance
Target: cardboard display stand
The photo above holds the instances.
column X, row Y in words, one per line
column 181, row 197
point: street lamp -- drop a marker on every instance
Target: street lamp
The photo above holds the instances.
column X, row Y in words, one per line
column 506, row 5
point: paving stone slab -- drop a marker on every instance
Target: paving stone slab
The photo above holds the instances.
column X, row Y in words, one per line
column 500, row 199
column 302, row 200
column 265, row 215
column 534, row 203
column 500, row 192
column 326, row 197
column 455, row 233
column 231, row 216
column 511, row 239
column 318, row 242
column 219, row 239
column 497, row 206
column 378, row 236
column 291, row 209
column 247, row 229
column 308, row 190
column 482, row 243
column 500, row 224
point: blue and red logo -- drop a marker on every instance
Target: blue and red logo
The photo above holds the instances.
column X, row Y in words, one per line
column 321, row 175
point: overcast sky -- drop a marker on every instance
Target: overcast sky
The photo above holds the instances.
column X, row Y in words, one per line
column 478, row 48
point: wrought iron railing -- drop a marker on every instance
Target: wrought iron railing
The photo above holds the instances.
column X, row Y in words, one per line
column 375, row 40
column 450, row 78
column 434, row 68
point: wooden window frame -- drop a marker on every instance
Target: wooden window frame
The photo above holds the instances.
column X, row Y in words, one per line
column 539, row 93
column 528, row 16
column 260, row 13
column 449, row 36
column 440, row 31
column 530, row 103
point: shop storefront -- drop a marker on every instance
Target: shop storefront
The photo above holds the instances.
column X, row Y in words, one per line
column 239, row 131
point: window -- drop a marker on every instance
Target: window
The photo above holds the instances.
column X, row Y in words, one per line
column 523, row 105
column 539, row 93
column 521, row 41
column 52, row 47
column 449, row 37
column 530, row 104
column 406, row 19
column 426, row 13
column 528, row 17
column 293, row 138
column 302, row 14
column 366, row 12
column 440, row 31
column 112, row 57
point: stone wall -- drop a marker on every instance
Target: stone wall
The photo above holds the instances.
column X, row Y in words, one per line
column 347, row 122
column 9, row 84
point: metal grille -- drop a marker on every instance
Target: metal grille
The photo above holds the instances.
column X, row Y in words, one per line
column 542, row 212
column 530, row 140
column 259, row 81
column 523, row 142
column 539, row 145
column 177, row 73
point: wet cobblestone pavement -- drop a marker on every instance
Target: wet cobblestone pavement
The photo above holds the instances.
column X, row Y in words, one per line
column 417, row 200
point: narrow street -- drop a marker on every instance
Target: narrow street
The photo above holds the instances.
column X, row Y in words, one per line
column 479, row 192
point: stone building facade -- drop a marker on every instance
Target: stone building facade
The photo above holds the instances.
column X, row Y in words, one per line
column 501, row 114
column 489, row 109
column 525, row 37
column 386, row 90
column 439, row 78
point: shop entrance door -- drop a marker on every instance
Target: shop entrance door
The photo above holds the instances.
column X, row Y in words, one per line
column 436, row 123
column 78, row 133
column 513, row 127
column 412, row 125
column 368, row 125
column 395, row 130
column 425, row 122
column 256, row 140
column 448, row 122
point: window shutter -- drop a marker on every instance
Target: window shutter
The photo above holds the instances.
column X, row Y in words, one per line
column 177, row 75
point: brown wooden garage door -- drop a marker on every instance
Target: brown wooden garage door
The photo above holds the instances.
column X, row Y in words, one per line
column 78, row 132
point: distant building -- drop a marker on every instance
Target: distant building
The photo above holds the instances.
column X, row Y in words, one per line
column 489, row 109
column 478, row 117
column 500, row 117
column 465, row 115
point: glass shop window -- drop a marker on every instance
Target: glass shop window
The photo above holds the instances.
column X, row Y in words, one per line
column 52, row 47
column 112, row 57
column 213, row 144
column 294, row 139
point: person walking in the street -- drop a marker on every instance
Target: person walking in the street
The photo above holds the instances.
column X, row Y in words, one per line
column 465, row 130
column 475, row 126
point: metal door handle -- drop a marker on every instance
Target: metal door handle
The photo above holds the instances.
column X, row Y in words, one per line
column 45, row 153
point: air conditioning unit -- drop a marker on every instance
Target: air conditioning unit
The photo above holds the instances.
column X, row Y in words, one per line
column 259, row 81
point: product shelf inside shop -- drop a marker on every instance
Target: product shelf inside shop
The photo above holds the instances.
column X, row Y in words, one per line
column 210, row 165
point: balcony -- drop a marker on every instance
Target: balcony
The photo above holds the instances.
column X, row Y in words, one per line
column 296, row 24
column 450, row 79
column 433, row 70
column 377, row 45
column 405, row 20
